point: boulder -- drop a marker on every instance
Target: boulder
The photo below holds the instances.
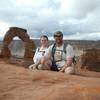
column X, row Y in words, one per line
column 90, row 60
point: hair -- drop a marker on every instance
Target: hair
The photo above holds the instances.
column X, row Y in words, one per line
column 44, row 37
column 58, row 34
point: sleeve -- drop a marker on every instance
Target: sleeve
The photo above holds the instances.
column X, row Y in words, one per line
column 49, row 51
column 34, row 58
column 70, row 51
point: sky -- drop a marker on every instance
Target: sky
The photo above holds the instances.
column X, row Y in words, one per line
column 77, row 19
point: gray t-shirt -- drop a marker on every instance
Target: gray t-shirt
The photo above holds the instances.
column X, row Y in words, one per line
column 60, row 56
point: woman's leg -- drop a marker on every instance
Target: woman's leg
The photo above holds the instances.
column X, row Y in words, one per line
column 34, row 66
column 45, row 66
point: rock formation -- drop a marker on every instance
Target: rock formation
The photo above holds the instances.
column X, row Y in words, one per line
column 22, row 34
column 17, row 83
column 90, row 59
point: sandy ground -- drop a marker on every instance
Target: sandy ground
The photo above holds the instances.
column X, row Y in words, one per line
column 18, row 83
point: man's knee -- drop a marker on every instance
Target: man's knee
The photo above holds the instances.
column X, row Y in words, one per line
column 70, row 70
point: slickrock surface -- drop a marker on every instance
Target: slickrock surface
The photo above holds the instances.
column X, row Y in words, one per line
column 18, row 83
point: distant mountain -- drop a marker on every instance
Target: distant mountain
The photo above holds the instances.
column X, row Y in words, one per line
column 81, row 44
column 17, row 47
column 84, row 44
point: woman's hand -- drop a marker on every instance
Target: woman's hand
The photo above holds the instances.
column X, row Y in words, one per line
column 62, row 70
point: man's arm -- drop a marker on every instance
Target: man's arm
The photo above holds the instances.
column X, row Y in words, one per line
column 67, row 63
column 69, row 57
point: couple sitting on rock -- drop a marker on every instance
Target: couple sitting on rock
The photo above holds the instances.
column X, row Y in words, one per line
column 57, row 57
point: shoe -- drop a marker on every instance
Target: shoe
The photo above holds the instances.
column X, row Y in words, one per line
column 40, row 67
column 33, row 67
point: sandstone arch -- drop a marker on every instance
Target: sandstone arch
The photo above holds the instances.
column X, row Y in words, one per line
column 22, row 34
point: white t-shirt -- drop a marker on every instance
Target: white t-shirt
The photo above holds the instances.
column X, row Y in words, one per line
column 59, row 55
column 39, row 54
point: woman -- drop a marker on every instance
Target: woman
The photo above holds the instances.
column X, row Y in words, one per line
column 40, row 51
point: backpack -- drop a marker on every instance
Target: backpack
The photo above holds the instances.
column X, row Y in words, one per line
column 54, row 66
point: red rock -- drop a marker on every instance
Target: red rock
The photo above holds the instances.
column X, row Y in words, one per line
column 18, row 83
column 90, row 60
column 22, row 34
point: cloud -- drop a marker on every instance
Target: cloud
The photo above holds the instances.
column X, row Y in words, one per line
column 83, row 36
column 3, row 28
column 48, row 16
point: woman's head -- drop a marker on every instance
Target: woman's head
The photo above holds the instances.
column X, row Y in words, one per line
column 44, row 40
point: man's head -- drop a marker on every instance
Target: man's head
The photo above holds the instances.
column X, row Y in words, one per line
column 58, row 36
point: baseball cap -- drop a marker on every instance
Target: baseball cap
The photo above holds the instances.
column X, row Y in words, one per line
column 58, row 34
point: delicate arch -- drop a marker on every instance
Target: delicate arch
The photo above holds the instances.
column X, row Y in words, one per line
column 22, row 34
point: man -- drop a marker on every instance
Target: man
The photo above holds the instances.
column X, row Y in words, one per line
column 61, row 60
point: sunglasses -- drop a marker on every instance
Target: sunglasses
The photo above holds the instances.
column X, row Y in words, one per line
column 57, row 35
